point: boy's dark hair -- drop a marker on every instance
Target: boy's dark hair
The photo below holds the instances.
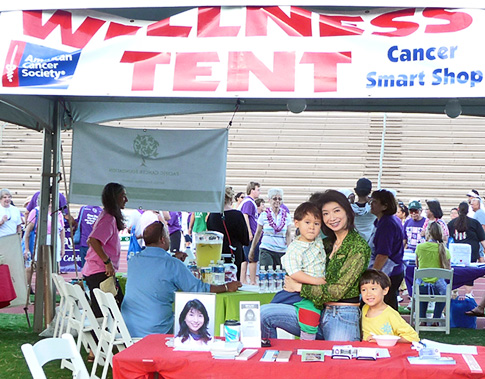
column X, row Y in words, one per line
column 375, row 276
column 307, row 208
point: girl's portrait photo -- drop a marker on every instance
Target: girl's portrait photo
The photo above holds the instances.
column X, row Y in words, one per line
column 194, row 324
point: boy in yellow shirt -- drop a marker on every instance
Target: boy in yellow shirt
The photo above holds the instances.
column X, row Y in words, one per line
column 377, row 317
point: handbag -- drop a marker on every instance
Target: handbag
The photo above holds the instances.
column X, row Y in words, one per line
column 77, row 233
column 134, row 247
column 458, row 317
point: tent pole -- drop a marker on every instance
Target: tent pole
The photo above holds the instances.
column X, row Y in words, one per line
column 44, row 199
column 56, row 151
column 383, row 144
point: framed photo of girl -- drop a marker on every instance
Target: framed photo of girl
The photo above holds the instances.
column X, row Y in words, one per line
column 194, row 321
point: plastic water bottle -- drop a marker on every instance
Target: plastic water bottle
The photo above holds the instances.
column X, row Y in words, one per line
column 271, row 279
column 194, row 270
column 282, row 275
column 263, row 281
column 219, row 275
column 212, row 266
column 278, row 279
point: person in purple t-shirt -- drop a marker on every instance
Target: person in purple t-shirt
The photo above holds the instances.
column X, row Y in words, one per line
column 34, row 202
column 175, row 230
column 412, row 227
column 386, row 244
column 250, row 212
column 88, row 215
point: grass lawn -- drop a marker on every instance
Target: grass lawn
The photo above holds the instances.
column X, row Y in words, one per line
column 14, row 332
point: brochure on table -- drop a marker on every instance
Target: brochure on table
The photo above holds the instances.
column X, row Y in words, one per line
column 249, row 316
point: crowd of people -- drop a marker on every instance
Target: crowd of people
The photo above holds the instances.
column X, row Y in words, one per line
column 348, row 250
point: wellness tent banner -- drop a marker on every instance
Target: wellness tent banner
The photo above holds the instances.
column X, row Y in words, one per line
column 177, row 170
column 234, row 52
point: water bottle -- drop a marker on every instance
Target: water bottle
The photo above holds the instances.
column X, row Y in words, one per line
column 263, row 281
column 278, row 279
column 271, row 281
column 212, row 266
column 193, row 269
column 219, row 275
column 282, row 275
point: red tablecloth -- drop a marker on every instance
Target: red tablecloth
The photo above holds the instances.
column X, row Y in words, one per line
column 7, row 292
column 151, row 355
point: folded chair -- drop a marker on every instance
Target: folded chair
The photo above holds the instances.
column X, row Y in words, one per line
column 82, row 319
column 50, row 349
column 113, row 332
column 62, row 316
column 418, row 298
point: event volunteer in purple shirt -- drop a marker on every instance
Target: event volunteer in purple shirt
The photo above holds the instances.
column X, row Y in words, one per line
column 175, row 230
column 249, row 210
column 386, row 243
column 413, row 226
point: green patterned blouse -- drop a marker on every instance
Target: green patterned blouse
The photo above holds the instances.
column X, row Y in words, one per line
column 342, row 272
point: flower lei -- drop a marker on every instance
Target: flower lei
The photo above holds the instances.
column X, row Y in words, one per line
column 271, row 221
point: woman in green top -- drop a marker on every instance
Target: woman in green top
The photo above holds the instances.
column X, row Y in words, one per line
column 347, row 258
column 432, row 254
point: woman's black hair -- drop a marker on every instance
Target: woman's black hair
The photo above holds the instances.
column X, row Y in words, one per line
column 387, row 199
column 238, row 195
column 110, row 197
column 435, row 208
column 460, row 223
column 404, row 208
column 329, row 196
column 184, row 329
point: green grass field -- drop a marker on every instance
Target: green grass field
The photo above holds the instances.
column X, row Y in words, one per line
column 14, row 332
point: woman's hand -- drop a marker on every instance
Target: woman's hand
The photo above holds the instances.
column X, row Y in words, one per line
column 27, row 254
column 291, row 285
column 110, row 271
column 251, row 256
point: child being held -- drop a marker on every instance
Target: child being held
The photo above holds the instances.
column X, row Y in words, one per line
column 304, row 262
column 377, row 317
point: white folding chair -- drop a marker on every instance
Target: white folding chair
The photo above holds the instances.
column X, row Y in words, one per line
column 51, row 349
column 62, row 316
column 418, row 298
column 81, row 318
column 113, row 331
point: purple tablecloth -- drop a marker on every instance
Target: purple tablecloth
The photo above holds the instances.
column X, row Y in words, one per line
column 461, row 275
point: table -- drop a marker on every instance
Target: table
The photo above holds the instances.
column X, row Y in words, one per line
column 150, row 355
column 227, row 305
column 461, row 275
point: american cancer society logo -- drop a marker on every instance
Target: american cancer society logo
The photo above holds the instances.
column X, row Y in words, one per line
column 30, row 65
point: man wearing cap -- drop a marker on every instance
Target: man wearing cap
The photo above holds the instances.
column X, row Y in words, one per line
column 364, row 219
column 413, row 226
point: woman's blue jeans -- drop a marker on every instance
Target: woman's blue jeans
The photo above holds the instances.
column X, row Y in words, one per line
column 438, row 288
column 337, row 322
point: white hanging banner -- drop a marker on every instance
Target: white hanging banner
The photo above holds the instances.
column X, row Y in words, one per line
column 175, row 170
column 232, row 52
